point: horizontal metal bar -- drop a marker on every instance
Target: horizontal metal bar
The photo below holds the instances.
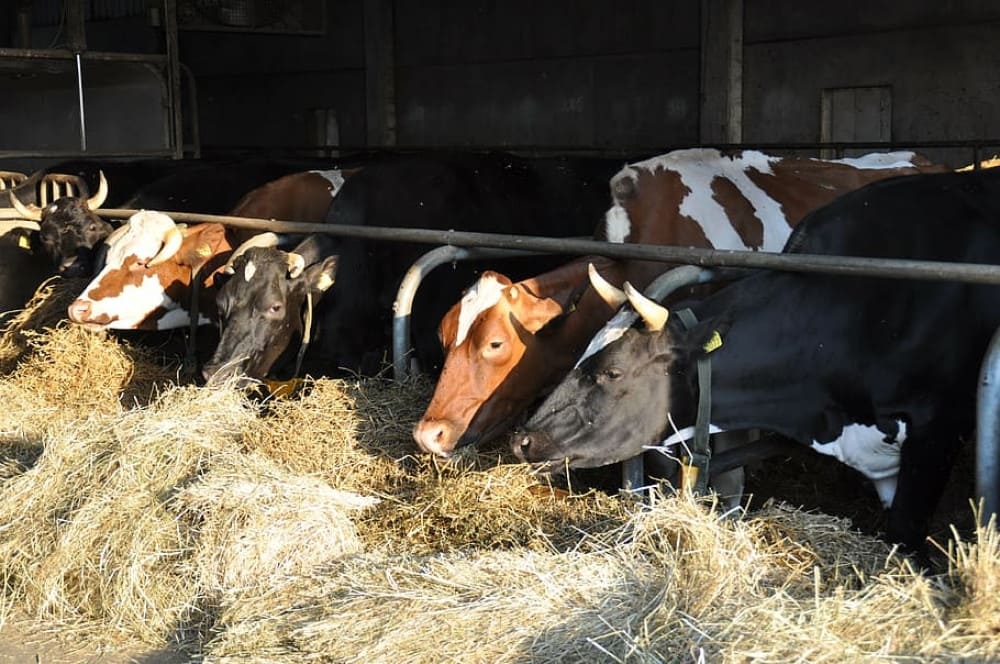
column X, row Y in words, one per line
column 65, row 54
column 839, row 265
column 75, row 153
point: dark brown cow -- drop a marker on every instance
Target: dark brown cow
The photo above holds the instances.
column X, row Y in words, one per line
column 498, row 363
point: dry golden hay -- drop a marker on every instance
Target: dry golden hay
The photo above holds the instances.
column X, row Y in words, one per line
column 454, row 507
column 71, row 375
column 47, row 309
column 676, row 583
column 991, row 162
column 87, row 534
column 257, row 525
column 355, row 434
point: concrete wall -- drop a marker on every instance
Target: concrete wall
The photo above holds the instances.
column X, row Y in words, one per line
column 939, row 60
column 565, row 73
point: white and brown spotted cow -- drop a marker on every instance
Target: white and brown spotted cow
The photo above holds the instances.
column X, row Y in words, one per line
column 506, row 343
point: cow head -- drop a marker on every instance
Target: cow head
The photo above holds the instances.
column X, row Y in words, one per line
column 620, row 399
column 69, row 229
column 261, row 305
column 505, row 343
column 145, row 283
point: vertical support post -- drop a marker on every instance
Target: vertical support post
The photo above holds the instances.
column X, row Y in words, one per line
column 380, row 77
column 23, row 24
column 176, row 121
column 988, row 432
column 722, row 71
column 76, row 42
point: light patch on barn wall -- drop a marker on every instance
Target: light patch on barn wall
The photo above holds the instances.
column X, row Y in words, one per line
column 484, row 294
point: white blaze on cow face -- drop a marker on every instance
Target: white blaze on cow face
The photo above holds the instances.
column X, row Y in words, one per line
column 612, row 331
column 334, row 177
column 617, row 225
column 484, row 294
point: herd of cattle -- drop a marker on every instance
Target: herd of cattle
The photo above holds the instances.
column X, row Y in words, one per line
column 880, row 373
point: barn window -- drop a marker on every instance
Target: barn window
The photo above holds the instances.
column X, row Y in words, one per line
column 856, row 115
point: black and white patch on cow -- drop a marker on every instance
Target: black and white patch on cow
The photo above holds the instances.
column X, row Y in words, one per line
column 879, row 373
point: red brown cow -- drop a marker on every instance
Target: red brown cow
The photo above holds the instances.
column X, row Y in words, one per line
column 133, row 292
column 501, row 355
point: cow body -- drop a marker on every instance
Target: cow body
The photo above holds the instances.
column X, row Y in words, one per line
column 698, row 198
column 471, row 192
column 113, row 300
column 880, row 373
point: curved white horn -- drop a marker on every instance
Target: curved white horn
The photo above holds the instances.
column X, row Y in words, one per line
column 115, row 234
column 652, row 312
column 261, row 240
column 97, row 200
column 615, row 297
column 32, row 211
column 172, row 240
column 296, row 264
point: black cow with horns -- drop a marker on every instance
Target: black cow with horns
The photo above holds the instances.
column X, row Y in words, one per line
column 880, row 373
column 70, row 231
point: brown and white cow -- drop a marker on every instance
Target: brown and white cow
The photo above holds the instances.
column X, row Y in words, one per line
column 135, row 292
column 506, row 343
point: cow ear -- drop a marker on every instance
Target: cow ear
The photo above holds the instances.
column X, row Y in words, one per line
column 321, row 276
column 531, row 311
column 209, row 241
column 706, row 337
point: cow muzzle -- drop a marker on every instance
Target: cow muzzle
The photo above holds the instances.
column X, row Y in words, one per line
column 437, row 437
column 81, row 312
column 534, row 446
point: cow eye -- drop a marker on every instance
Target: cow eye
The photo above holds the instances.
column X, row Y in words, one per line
column 274, row 308
column 611, row 374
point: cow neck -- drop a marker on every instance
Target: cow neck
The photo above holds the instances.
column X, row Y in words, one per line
column 696, row 468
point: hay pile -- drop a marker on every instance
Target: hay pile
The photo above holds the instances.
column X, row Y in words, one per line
column 308, row 528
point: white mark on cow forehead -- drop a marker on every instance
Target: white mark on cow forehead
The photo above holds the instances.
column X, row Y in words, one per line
column 865, row 449
column 248, row 271
column 878, row 160
column 612, row 331
column 133, row 306
column 334, row 177
column 484, row 294
column 617, row 226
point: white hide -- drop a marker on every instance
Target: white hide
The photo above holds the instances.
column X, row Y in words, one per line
column 334, row 177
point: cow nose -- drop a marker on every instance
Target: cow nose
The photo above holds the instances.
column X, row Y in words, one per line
column 435, row 437
column 530, row 445
column 79, row 311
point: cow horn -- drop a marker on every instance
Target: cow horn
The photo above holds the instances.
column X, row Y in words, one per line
column 97, row 200
column 615, row 297
column 296, row 264
column 172, row 240
column 652, row 312
column 259, row 240
column 115, row 234
column 32, row 211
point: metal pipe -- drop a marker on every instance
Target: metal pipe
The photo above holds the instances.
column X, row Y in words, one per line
column 988, row 433
column 829, row 264
column 633, row 470
column 79, row 91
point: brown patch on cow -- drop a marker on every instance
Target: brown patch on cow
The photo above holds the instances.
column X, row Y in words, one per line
column 742, row 216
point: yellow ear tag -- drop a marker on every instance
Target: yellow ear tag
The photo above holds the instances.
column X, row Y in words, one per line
column 324, row 282
column 24, row 242
column 714, row 343
column 280, row 389
column 204, row 250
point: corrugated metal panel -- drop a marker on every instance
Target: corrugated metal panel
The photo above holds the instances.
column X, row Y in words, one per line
column 49, row 12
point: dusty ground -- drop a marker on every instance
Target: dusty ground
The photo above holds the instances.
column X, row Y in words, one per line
column 21, row 642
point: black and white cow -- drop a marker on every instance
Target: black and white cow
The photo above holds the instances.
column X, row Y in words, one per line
column 879, row 373
column 492, row 192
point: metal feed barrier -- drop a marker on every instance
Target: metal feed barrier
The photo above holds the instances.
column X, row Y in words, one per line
column 459, row 245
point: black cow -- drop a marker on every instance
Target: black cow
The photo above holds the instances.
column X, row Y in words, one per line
column 69, row 230
column 880, row 373
column 492, row 192
column 22, row 269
